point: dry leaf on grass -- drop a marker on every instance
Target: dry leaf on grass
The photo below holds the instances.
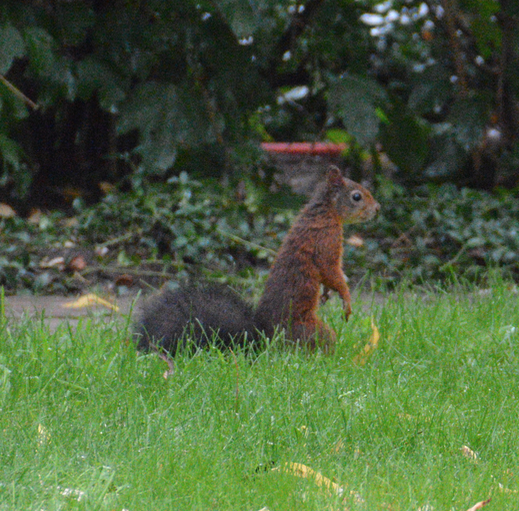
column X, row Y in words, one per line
column 469, row 453
column 43, row 435
column 479, row 505
column 89, row 300
column 370, row 346
column 300, row 470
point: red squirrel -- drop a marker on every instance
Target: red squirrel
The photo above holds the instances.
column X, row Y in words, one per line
column 310, row 256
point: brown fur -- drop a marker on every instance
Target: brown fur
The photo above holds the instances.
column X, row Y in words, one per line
column 311, row 255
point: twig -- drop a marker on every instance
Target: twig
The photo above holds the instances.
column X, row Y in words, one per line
column 298, row 24
column 18, row 93
column 125, row 269
column 124, row 237
column 245, row 242
column 450, row 262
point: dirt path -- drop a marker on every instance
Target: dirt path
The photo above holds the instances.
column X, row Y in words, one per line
column 56, row 309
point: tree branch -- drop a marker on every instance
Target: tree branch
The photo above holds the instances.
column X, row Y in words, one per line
column 299, row 22
column 450, row 10
column 507, row 109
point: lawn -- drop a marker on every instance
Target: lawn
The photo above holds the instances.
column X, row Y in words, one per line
column 428, row 420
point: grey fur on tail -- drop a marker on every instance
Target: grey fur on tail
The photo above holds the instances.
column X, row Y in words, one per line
column 173, row 320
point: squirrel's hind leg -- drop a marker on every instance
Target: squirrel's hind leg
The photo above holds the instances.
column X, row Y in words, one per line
column 313, row 335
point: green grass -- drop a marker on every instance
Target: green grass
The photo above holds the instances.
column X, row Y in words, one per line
column 81, row 411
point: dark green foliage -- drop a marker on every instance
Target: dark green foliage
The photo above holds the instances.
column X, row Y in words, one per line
column 198, row 229
column 133, row 87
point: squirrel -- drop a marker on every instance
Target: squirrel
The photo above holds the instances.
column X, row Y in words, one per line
column 310, row 256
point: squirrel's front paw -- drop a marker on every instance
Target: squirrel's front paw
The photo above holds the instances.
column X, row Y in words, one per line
column 347, row 311
column 326, row 295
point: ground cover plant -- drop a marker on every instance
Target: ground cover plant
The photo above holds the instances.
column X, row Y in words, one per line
column 426, row 420
column 199, row 228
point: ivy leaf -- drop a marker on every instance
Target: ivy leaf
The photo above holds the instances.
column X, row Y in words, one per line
column 241, row 17
column 431, row 90
column 11, row 47
column 355, row 100
column 40, row 49
column 10, row 152
column 448, row 157
column 75, row 19
column 468, row 117
column 405, row 139
column 167, row 116
column 95, row 75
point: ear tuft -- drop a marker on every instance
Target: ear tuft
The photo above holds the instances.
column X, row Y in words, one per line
column 334, row 176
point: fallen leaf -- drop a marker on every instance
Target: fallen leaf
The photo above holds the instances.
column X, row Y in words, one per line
column 77, row 263
column 71, row 222
column 370, row 346
column 70, row 193
column 6, row 211
column 55, row 262
column 106, row 187
column 355, row 241
column 89, row 300
column 124, row 280
column 469, row 453
column 43, row 435
column 101, row 251
column 34, row 217
column 300, row 470
column 479, row 505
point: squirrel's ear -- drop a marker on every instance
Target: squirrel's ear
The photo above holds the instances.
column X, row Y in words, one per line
column 334, row 176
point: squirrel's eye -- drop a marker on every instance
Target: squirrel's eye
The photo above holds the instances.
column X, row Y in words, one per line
column 356, row 196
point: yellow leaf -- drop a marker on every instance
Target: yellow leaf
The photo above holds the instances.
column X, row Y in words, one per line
column 370, row 346
column 300, row 470
column 479, row 505
column 43, row 435
column 89, row 300
column 469, row 453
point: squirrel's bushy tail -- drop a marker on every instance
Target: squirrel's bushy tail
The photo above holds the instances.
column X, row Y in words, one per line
column 170, row 319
